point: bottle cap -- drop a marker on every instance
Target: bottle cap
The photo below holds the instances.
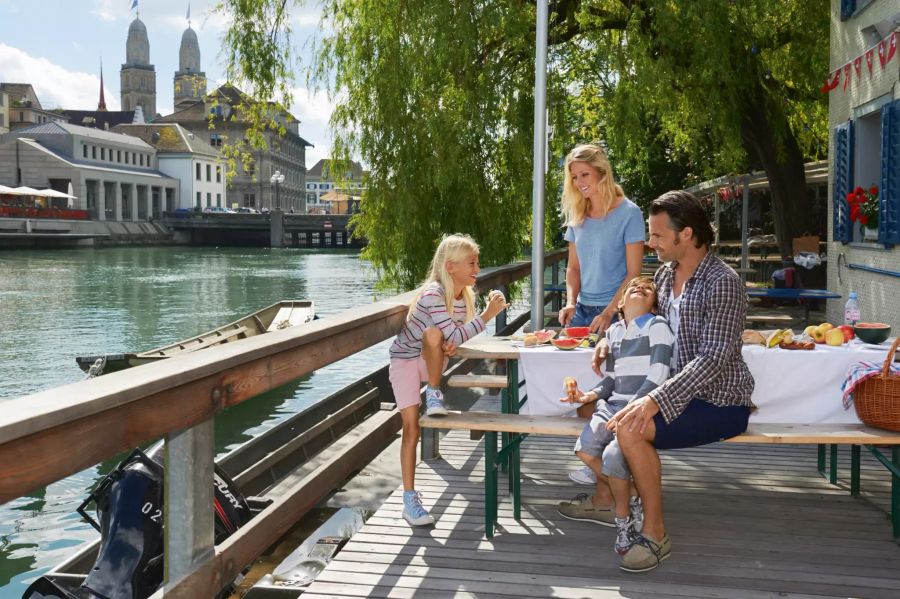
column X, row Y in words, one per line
column 853, row 295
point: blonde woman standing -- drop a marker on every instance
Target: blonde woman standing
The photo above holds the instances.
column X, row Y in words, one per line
column 605, row 231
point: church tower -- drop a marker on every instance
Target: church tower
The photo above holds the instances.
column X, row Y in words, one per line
column 190, row 81
column 138, row 75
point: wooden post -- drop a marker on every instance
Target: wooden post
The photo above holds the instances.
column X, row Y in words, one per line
column 188, row 504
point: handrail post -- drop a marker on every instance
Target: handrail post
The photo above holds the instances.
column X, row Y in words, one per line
column 188, row 504
column 500, row 320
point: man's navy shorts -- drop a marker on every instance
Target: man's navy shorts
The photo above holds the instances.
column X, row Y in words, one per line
column 699, row 424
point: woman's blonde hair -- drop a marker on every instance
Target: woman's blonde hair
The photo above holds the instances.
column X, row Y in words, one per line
column 574, row 206
column 452, row 248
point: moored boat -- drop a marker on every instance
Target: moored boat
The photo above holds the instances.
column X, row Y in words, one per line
column 282, row 315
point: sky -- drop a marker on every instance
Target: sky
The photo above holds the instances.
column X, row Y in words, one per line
column 57, row 46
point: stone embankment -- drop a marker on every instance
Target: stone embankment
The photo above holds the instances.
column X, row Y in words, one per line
column 49, row 233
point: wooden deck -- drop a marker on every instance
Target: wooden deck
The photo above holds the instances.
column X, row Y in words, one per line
column 746, row 521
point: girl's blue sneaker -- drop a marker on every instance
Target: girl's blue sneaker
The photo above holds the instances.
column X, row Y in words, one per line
column 413, row 511
column 434, row 402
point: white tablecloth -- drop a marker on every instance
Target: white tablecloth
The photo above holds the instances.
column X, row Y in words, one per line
column 792, row 387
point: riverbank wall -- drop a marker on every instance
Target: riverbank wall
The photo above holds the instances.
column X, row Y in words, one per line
column 54, row 233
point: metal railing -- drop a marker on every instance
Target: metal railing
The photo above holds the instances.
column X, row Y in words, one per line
column 52, row 434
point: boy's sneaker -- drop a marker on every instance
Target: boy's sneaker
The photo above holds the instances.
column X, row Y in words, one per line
column 413, row 511
column 434, row 402
column 637, row 513
column 626, row 535
column 583, row 476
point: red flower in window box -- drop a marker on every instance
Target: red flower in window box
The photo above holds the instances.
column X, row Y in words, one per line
column 864, row 206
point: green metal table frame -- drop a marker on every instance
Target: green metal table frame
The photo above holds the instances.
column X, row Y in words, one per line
column 892, row 464
column 507, row 458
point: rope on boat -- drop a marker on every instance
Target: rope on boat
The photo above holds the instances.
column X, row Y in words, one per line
column 96, row 368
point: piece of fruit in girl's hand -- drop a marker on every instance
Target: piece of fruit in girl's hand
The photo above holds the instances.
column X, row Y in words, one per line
column 570, row 386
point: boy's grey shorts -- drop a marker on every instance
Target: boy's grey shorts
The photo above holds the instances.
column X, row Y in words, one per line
column 596, row 441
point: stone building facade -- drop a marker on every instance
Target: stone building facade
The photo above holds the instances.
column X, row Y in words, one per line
column 115, row 177
column 138, row 76
column 864, row 150
column 219, row 120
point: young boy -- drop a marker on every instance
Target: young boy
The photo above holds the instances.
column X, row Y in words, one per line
column 641, row 346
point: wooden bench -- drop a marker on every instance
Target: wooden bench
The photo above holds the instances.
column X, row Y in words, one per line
column 775, row 319
column 484, row 381
column 519, row 426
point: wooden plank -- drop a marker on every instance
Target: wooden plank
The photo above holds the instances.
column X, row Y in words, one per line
column 486, row 381
column 842, row 434
column 769, row 318
column 516, row 423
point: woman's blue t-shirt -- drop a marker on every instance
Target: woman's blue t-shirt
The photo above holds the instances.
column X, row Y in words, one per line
column 600, row 244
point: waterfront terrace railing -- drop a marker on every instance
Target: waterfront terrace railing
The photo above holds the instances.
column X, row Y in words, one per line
column 52, row 434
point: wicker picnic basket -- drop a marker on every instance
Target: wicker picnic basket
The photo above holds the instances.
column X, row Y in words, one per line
column 877, row 399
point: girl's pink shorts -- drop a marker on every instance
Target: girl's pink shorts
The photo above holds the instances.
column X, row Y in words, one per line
column 406, row 376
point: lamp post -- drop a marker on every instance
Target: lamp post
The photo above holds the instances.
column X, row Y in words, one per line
column 275, row 180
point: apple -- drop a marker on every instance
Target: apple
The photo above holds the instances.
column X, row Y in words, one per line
column 808, row 331
column 848, row 332
column 818, row 335
column 834, row 337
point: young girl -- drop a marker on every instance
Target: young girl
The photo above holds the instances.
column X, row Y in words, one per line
column 441, row 318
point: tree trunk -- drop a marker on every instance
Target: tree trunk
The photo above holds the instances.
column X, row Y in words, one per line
column 767, row 136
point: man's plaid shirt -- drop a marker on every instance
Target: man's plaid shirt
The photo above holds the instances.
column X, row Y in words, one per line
column 708, row 364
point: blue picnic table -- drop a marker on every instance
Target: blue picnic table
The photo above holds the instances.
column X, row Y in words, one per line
column 806, row 295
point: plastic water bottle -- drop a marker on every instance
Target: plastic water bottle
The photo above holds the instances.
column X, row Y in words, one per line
column 851, row 310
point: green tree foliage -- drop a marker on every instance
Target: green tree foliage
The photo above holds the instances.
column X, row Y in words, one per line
column 436, row 97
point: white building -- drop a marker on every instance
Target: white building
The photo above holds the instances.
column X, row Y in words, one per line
column 114, row 176
column 186, row 157
column 4, row 112
column 321, row 180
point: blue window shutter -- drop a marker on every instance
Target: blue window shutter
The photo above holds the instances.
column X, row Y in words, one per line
column 848, row 7
column 842, row 182
column 889, row 213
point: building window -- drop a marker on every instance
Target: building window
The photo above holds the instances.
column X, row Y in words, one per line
column 198, row 171
column 199, row 200
column 208, row 172
column 84, row 150
column 133, row 158
column 218, row 174
column 93, row 152
column 21, row 117
column 250, row 200
column 141, row 159
column 215, row 140
column 218, row 199
column 118, row 155
column 126, row 157
column 208, row 198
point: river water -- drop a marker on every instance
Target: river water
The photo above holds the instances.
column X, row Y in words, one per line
column 56, row 304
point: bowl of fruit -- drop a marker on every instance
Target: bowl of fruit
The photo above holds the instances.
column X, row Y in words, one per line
column 872, row 332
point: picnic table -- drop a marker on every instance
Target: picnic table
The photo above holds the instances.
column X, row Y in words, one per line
column 805, row 296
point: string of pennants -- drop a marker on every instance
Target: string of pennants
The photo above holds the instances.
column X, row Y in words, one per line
column 885, row 49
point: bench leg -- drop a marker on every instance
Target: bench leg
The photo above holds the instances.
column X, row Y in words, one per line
column 854, row 470
column 506, row 401
column 895, row 492
column 832, row 471
column 490, row 482
column 515, row 480
column 821, row 460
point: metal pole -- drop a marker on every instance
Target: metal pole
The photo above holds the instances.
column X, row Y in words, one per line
column 539, row 162
column 745, row 260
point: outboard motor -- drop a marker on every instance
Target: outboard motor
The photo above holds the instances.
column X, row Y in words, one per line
column 129, row 507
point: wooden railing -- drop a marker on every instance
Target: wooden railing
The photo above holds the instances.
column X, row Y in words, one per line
column 52, row 434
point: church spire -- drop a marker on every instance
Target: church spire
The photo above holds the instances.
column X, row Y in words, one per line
column 101, row 105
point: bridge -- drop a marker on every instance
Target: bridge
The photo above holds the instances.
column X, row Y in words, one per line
column 297, row 230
